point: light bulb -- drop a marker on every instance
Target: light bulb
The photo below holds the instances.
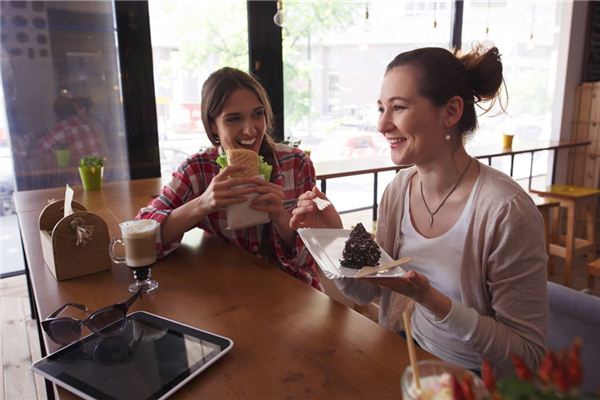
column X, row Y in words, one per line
column 279, row 18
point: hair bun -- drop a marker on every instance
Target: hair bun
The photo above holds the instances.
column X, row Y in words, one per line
column 484, row 68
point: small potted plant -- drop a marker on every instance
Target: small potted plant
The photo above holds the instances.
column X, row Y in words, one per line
column 91, row 170
column 295, row 143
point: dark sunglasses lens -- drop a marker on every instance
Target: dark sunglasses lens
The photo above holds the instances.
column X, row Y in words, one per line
column 107, row 321
column 65, row 331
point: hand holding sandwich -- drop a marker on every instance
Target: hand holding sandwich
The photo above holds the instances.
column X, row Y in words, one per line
column 270, row 196
column 221, row 192
column 225, row 190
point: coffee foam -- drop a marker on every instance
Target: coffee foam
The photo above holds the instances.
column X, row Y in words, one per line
column 139, row 228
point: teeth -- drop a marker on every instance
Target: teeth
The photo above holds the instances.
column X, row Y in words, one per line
column 248, row 142
column 396, row 140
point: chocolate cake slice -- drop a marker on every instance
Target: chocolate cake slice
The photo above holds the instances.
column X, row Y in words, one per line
column 360, row 249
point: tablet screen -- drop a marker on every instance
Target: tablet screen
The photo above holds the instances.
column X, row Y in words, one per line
column 149, row 359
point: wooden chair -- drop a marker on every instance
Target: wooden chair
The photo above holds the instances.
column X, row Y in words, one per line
column 593, row 270
column 575, row 200
column 545, row 206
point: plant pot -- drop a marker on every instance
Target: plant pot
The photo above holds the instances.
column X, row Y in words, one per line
column 91, row 177
column 63, row 157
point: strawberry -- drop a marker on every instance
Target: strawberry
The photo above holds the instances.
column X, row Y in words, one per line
column 573, row 361
column 523, row 372
column 487, row 374
column 548, row 364
column 457, row 393
column 466, row 384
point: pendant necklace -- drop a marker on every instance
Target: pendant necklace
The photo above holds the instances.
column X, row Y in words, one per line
column 431, row 214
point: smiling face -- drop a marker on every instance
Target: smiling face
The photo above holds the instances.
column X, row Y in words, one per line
column 242, row 122
column 412, row 124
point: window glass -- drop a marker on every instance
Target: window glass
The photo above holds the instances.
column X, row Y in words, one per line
column 527, row 34
column 334, row 57
column 61, row 91
column 191, row 39
column 60, row 100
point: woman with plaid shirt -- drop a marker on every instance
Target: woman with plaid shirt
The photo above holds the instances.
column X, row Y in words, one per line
column 237, row 114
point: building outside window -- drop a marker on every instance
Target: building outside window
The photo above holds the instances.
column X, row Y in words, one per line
column 191, row 39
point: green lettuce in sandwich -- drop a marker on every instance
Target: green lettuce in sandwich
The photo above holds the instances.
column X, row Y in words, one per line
column 252, row 163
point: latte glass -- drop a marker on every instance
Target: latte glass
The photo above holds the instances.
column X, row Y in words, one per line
column 436, row 382
column 138, row 237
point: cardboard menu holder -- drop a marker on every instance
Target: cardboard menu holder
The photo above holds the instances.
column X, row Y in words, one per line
column 64, row 257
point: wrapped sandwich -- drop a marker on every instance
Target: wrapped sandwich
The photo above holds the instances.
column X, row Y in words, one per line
column 253, row 163
column 241, row 215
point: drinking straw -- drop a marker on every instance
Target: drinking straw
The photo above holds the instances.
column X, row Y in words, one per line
column 411, row 349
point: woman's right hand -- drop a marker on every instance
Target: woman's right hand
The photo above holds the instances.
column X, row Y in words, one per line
column 307, row 214
column 223, row 191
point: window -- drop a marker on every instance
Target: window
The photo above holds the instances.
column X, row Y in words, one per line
column 61, row 91
column 527, row 34
column 334, row 56
column 191, row 39
column 60, row 100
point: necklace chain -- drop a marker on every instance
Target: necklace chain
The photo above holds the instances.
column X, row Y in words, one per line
column 431, row 214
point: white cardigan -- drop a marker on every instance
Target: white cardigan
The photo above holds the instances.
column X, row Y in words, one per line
column 503, row 275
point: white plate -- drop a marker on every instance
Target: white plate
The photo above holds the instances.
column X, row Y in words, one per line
column 327, row 246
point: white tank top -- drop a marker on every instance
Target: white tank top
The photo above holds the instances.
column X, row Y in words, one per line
column 440, row 259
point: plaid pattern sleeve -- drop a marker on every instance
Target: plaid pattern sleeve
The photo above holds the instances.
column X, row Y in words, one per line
column 299, row 176
column 293, row 171
column 188, row 181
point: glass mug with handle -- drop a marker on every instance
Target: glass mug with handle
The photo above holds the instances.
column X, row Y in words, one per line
column 139, row 239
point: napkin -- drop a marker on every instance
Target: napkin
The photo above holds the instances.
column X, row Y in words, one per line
column 68, row 201
column 241, row 215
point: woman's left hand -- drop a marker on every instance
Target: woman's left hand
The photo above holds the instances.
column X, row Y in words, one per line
column 412, row 284
column 270, row 199
column 417, row 287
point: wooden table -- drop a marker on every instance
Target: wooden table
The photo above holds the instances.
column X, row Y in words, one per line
column 291, row 341
column 374, row 165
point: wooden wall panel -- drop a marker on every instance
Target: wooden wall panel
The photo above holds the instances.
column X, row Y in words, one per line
column 584, row 164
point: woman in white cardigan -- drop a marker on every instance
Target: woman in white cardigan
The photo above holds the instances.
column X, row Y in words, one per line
column 478, row 276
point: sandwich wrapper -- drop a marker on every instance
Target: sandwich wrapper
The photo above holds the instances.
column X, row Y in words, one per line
column 241, row 215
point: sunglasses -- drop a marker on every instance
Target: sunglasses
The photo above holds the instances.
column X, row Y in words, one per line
column 107, row 321
column 105, row 349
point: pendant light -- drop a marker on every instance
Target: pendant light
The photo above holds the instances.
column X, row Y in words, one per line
column 279, row 17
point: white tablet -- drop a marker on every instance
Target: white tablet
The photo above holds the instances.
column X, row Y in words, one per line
column 150, row 359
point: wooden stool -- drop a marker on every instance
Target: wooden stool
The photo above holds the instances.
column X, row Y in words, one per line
column 574, row 199
column 545, row 205
column 593, row 270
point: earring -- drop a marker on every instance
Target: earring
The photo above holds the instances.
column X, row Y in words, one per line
column 448, row 137
column 216, row 138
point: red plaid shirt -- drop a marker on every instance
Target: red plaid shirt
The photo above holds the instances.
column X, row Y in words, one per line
column 81, row 138
column 293, row 171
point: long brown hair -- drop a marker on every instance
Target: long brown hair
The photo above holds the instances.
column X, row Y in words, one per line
column 215, row 91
